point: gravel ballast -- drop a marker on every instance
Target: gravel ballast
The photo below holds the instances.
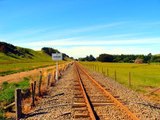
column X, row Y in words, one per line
column 57, row 105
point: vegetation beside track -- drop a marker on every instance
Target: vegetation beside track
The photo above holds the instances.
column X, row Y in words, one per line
column 7, row 89
column 144, row 77
column 7, row 93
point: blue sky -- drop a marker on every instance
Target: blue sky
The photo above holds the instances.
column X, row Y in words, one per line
column 83, row 27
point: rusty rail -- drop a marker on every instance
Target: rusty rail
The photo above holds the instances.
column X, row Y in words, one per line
column 90, row 110
column 107, row 94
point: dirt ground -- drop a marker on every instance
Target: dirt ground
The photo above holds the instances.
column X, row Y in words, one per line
column 16, row 77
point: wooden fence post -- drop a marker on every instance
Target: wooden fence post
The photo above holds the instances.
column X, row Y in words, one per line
column 48, row 82
column 129, row 80
column 115, row 74
column 60, row 72
column 18, row 103
column 54, row 76
column 52, row 79
column 107, row 72
column 103, row 71
column 40, row 82
column 33, row 93
column 63, row 67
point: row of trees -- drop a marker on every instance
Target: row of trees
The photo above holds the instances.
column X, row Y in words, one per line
column 123, row 58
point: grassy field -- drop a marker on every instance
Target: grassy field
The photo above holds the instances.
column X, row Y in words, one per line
column 9, row 65
column 144, row 77
column 36, row 56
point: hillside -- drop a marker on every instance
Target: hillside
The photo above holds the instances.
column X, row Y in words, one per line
column 11, row 54
column 15, row 59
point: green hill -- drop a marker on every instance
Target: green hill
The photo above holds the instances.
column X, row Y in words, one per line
column 13, row 54
column 16, row 59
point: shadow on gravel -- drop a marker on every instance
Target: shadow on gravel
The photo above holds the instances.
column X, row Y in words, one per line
column 152, row 106
column 34, row 114
column 56, row 105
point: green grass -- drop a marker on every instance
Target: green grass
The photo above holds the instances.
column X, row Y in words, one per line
column 143, row 76
column 10, row 65
column 7, row 91
column 36, row 56
column 2, row 114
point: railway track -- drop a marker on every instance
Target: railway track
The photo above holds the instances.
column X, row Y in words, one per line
column 93, row 101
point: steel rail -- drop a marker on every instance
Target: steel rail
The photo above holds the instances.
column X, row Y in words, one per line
column 90, row 110
column 121, row 106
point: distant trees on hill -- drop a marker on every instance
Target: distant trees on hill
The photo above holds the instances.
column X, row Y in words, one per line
column 105, row 58
column 88, row 58
column 19, row 52
column 15, row 51
column 123, row 58
column 49, row 51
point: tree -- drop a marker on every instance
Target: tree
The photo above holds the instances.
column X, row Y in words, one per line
column 155, row 58
column 64, row 56
column 91, row 58
column 116, row 58
column 105, row 58
column 49, row 51
column 149, row 57
column 88, row 58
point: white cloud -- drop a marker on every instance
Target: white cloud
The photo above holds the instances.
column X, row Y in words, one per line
column 52, row 31
column 80, row 47
column 89, row 42
column 77, row 47
column 83, row 51
column 93, row 27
